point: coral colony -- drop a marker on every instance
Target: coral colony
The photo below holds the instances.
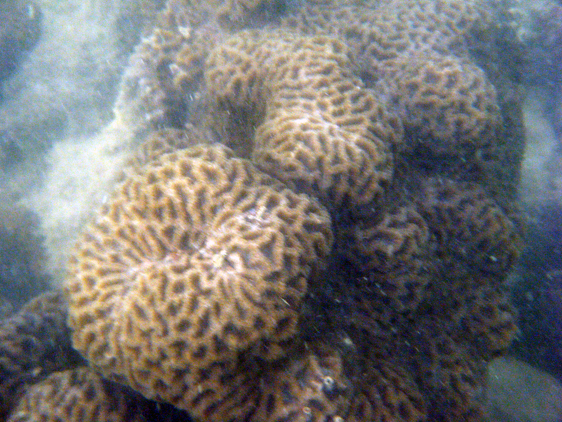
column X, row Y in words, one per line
column 317, row 226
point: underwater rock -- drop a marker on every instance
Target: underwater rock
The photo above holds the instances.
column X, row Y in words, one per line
column 20, row 31
column 518, row 392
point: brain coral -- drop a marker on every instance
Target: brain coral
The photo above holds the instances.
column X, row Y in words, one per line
column 33, row 342
column 407, row 26
column 445, row 370
column 470, row 228
column 194, row 261
column 447, row 104
column 162, row 85
column 392, row 254
column 386, row 30
column 387, row 393
column 162, row 142
column 321, row 132
column 401, row 235
column 76, row 395
column 415, row 54
column 312, row 385
column 202, row 284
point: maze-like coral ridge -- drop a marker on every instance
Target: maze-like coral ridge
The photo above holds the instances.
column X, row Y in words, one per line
column 76, row 395
column 33, row 342
column 488, row 319
column 415, row 53
column 199, row 283
column 322, row 132
column 400, row 236
column 469, row 227
column 387, row 393
column 393, row 255
column 408, row 26
column 194, row 261
column 312, row 385
column 447, row 103
column 391, row 28
column 162, row 142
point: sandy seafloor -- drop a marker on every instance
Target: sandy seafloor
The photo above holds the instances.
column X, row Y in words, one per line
column 57, row 108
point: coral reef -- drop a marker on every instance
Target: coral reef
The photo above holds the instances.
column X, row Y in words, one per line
column 393, row 254
column 77, row 395
column 42, row 377
column 338, row 246
column 456, row 114
column 469, row 229
column 322, row 133
column 160, row 87
column 389, row 30
column 214, row 252
column 387, row 393
column 82, row 395
column 161, row 142
column 311, row 385
column 73, row 395
column 33, row 343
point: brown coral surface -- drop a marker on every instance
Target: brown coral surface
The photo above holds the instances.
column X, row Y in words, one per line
column 33, row 342
column 203, row 282
column 470, row 229
column 447, row 103
column 310, row 385
column 321, row 132
column 195, row 261
column 76, row 395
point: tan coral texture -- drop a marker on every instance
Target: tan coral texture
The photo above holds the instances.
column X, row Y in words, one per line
column 386, row 30
column 312, row 385
column 392, row 254
column 448, row 103
column 192, row 263
column 400, row 236
column 33, row 342
column 322, row 132
column 387, row 393
column 469, row 227
column 162, row 142
column 341, row 253
column 77, row 395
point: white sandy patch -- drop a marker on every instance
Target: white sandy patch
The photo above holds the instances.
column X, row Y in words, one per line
column 81, row 176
